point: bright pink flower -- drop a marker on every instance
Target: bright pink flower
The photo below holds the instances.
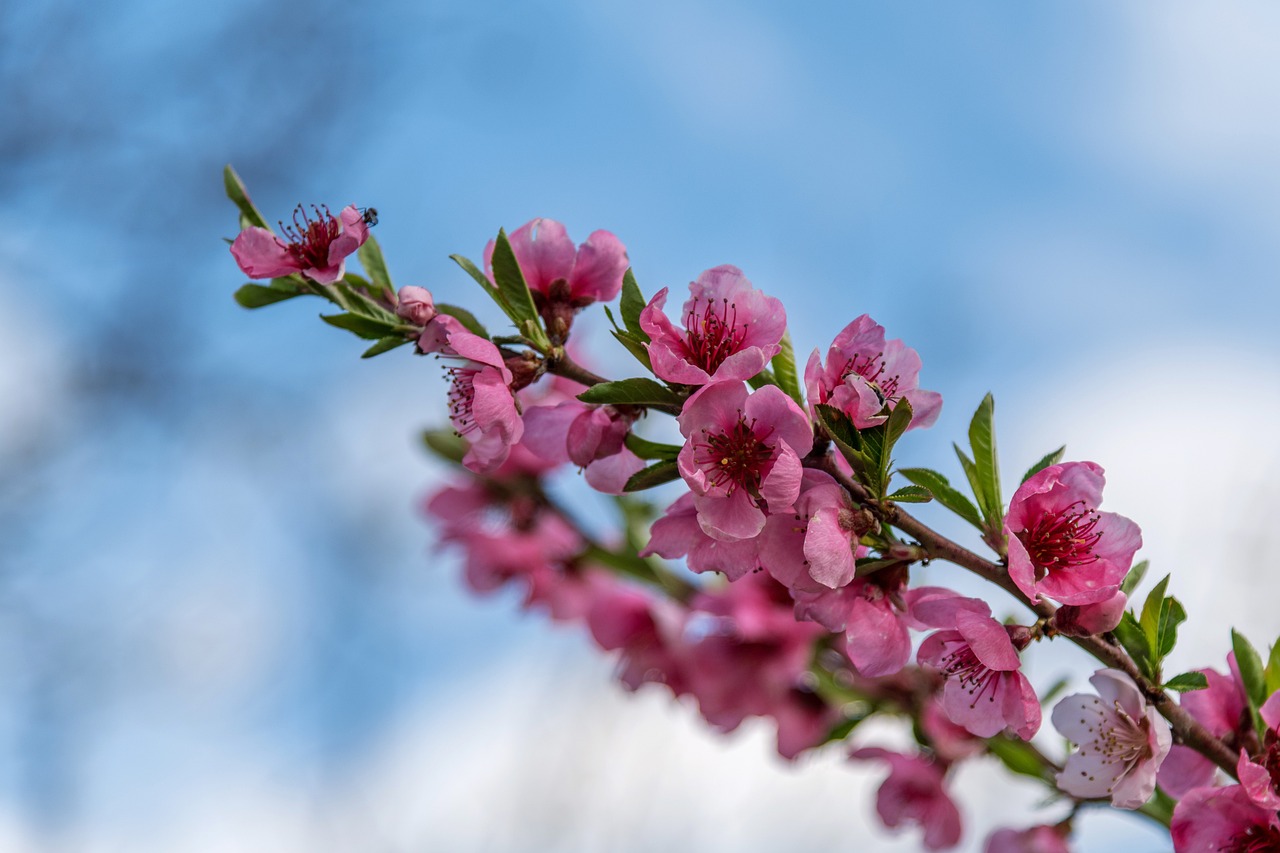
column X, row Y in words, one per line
column 814, row 547
column 731, row 330
column 317, row 248
column 985, row 692
column 1037, row 839
column 482, row 405
column 742, row 455
column 415, row 305
column 1224, row 820
column 915, row 793
column 1122, row 741
column 556, row 272
column 1220, row 708
column 678, row 534
column 864, row 373
column 1085, row 620
column 589, row 436
column 1060, row 546
column 949, row 741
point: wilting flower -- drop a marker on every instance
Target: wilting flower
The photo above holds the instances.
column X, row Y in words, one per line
column 317, row 247
column 731, row 330
column 1037, row 839
column 557, row 272
column 915, row 793
column 864, row 373
column 1060, row 545
column 1122, row 741
column 741, row 453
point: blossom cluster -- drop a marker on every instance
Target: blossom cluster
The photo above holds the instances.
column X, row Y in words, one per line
column 780, row 579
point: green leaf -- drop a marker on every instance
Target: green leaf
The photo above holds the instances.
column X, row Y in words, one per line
column 237, row 193
column 465, row 317
column 370, row 255
column 1150, row 620
column 982, row 440
column 635, row 347
column 1251, row 671
column 1017, row 755
column 257, row 296
column 1048, row 459
column 944, row 493
column 651, row 449
column 1172, row 614
column 842, row 431
column 1131, row 636
column 655, row 475
column 385, row 345
column 630, row 306
column 1272, row 672
column 631, row 392
column 784, row 369
column 911, row 495
column 1135, row 576
column 1055, row 690
column 480, row 278
column 446, row 444
column 761, row 379
column 515, row 292
column 361, row 326
column 1187, row 682
column 971, row 474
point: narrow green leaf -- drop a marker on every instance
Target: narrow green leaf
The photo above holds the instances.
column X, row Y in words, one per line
column 982, row 440
column 465, row 317
column 1135, row 576
column 845, row 728
column 944, row 493
column 1273, row 669
column 1055, row 690
column 630, row 306
column 635, row 347
column 480, row 278
column 511, row 283
column 761, row 379
column 631, row 392
column 911, row 495
column 646, row 449
column 1048, row 459
column 370, row 255
column 784, row 369
column 971, row 474
column 446, row 444
column 655, row 475
column 1251, row 671
column 1017, row 755
column 1150, row 619
column 257, row 296
column 357, row 303
column 1131, row 636
column 1187, row 682
column 237, row 192
column 385, row 345
column 361, row 326
column 1172, row 614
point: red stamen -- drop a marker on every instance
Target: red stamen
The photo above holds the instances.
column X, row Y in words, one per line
column 309, row 241
column 1064, row 540
column 711, row 337
column 736, row 458
column 872, row 368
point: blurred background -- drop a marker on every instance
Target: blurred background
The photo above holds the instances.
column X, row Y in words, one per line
column 222, row 622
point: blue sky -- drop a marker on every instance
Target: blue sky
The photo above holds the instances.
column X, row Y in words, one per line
column 217, row 587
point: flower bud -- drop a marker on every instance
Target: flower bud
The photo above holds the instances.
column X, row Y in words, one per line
column 1084, row 620
column 416, row 305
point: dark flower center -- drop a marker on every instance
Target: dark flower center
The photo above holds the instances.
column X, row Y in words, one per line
column 309, row 239
column 736, row 458
column 1264, row 838
column 713, row 334
column 1063, row 540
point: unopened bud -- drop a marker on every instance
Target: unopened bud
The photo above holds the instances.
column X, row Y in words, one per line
column 1085, row 620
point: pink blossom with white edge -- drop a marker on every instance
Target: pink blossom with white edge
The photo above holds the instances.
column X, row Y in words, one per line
column 1037, row 839
column 864, row 373
column 1060, row 545
column 731, row 330
column 915, row 793
column 1122, row 741
column 317, row 248
column 556, row 271
column 741, row 454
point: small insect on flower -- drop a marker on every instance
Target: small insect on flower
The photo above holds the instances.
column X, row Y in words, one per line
column 369, row 215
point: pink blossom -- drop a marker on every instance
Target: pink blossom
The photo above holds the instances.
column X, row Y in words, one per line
column 1085, row 620
column 415, row 305
column 1221, row 708
column 915, row 793
column 556, row 272
column 731, row 330
column 1060, row 545
column 678, row 534
column 316, row 248
column 1122, row 741
column 984, row 691
column 1037, row 839
column 741, row 455
column 589, row 436
column 1224, row 820
column 864, row 373
column 482, row 405
column 804, row 720
column 949, row 741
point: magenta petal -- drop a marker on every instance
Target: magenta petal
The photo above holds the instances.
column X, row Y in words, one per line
column 781, row 486
column 261, row 255
column 1021, row 705
column 1184, row 769
column 989, row 640
column 732, row 517
column 544, row 251
column 545, row 429
column 494, row 408
column 1021, row 570
column 1256, row 781
column 1270, row 711
column 878, row 642
column 771, row 405
column 829, row 549
column 676, row 532
column 599, row 267
column 610, row 474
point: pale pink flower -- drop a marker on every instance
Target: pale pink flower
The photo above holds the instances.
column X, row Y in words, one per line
column 1122, row 741
column 864, row 373
column 731, row 330
column 985, row 691
column 1037, row 839
column 1060, row 545
column 557, row 272
column 678, row 534
column 1225, row 820
column 317, row 248
column 415, row 305
column 741, row 455
column 915, row 793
